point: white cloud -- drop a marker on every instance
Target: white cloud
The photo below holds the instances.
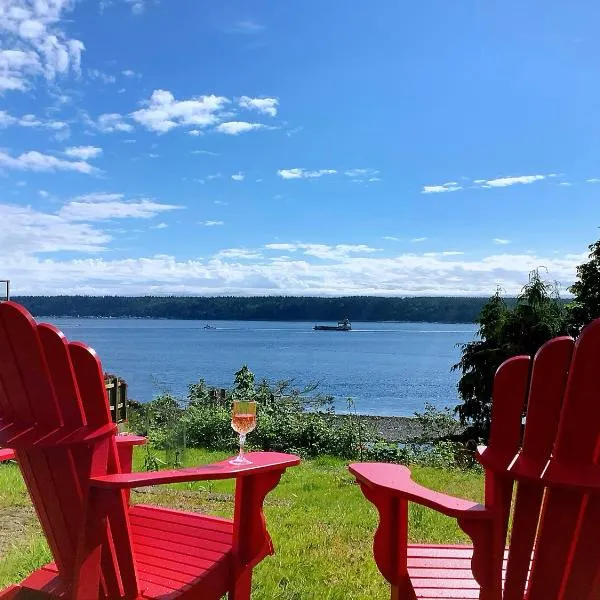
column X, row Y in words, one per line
column 454, row 186
column 267, row 106
column 137, row 6
column 237, row 127
column 6, row 120
column 283, row 247
column 129, row 73
column 35, row 45
column 507, row 181
column 109, row 123
column 444, row 253
column 324, row 251
column 298, row 173
column 593, row 180
column 373, row 179
column 207, row 152
column 36, row 161
column 391, row 238
column 29, row 120
column 501, row 241
column 83, row 152
column 163, row 113
column 96, row 74
column 361, row 173
column 107, row 206
column 214, row 176
column 211, row 223
column 419, row 240
column 238, row 253
column 238, row 176
column 290, row 274
column 160, row 226
column 245, row 26
column 26, row 231
column 451, row 186
column 565, row 184
column 43, row 193
column 195, row 132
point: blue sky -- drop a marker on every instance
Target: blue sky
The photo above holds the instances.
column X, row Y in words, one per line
column 162, row 146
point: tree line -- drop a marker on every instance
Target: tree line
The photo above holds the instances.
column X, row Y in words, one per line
column 268, row 308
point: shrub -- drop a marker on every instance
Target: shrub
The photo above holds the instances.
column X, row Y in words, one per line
column 289, row 420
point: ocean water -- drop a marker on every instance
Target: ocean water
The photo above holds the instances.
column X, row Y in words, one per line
column 386, row 368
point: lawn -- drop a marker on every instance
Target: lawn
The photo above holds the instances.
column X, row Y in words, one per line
column 321, row 525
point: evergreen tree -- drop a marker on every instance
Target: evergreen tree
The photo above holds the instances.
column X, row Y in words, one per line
column 586, row 289
column 538, row 316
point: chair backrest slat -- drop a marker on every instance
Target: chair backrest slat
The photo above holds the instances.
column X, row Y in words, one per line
column 31, row 398
column 511, row 383
column 28, row 359
column 566, row 557
column 553, row 551
column 90, row 380
column 49, row 384
column 62, row 376
column 548, row 382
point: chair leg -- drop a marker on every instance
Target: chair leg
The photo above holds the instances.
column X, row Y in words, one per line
column 242, row 587
column 403, row 591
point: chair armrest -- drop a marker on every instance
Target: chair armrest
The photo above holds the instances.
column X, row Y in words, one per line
column 396, row 480
column 129, row 439
column 6, row 454
column 262, row 462
column 125, row 445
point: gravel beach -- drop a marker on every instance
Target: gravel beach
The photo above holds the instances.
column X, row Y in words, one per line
column 392, row 429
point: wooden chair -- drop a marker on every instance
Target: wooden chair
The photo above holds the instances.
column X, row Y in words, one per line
column 553, row 550
column 54, row 414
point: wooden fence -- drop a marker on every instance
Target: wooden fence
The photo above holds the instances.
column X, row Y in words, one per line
column 116, row 390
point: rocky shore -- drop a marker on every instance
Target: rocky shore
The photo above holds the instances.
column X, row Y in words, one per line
column 392, row 429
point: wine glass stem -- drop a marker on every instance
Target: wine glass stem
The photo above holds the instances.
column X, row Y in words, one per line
column 242, row 442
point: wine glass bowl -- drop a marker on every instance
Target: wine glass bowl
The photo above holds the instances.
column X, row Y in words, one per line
column 243, row 421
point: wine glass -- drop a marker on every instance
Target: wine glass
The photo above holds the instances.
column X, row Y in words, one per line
column 243, row 421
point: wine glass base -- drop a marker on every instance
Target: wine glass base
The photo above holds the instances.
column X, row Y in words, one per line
column 239, row 460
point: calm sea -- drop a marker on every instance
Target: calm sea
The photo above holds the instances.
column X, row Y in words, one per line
column 387, row 368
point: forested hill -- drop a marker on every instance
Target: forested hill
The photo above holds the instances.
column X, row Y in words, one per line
column 270, row 308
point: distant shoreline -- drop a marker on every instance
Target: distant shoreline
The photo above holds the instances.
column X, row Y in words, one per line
column 305, row 309
column 310, row 321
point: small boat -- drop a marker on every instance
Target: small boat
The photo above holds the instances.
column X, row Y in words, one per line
column 343, row 325
column 209, row 327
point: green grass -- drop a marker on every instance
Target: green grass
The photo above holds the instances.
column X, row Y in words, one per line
column 321, row 525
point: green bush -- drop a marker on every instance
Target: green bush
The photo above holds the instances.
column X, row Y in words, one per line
column 289, row 420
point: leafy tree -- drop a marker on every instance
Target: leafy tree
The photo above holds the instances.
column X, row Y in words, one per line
column 538, row 316
column 586, row 289
column 244, row 384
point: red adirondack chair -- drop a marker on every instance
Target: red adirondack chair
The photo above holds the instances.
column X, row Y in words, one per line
column 54, row 414
column 553, row 549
